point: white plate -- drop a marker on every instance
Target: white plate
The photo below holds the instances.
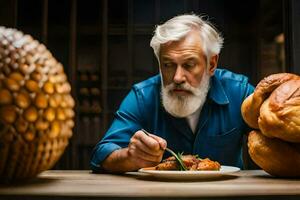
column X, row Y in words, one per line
column 225, row 170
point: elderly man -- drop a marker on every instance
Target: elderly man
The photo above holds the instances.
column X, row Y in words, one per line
column 191, row 106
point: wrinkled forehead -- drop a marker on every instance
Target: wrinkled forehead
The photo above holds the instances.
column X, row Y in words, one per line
column 182, row 50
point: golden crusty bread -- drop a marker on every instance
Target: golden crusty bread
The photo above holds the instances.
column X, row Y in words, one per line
column 277, row 157
column 280, row 113
column 249, row 115
column 251, row 105
column 274, row 109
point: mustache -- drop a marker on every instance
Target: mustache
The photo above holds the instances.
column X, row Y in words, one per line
column 180, row 86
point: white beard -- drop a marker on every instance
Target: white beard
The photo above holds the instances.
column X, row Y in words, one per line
column 183, row 106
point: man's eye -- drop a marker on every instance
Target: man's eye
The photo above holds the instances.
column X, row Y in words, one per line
column 189, row 65
column 168, row 65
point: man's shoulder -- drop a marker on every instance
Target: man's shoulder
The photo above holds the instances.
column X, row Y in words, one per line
column 226, row 75
column 150, row 83
column 228, row 86
column 148, row 93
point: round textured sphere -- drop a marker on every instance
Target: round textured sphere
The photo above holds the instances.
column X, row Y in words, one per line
column 36, row 107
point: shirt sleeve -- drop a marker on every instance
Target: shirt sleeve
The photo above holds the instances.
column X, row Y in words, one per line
column 127, row 121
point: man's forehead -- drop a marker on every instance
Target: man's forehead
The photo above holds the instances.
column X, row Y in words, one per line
column 183, row 52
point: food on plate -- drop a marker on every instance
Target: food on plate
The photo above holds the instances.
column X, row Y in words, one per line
column 192, row 162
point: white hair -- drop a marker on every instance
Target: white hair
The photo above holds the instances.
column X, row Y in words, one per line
column 179, row 26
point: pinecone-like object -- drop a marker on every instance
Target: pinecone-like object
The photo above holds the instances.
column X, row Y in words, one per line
column 36, row 107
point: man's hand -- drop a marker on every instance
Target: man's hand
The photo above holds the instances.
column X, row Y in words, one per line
column 146, row 150
column 142, row 151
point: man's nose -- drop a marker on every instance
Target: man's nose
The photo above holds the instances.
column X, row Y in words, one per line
column 179, row 76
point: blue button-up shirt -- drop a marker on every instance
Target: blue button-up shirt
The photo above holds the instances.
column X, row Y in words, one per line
column 220, row 126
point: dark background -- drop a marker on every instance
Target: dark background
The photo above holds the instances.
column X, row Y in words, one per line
column 104, row 47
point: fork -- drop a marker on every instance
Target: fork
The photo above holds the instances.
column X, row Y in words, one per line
column 177, row 156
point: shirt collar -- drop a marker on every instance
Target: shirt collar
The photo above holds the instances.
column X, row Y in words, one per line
column 217, row 92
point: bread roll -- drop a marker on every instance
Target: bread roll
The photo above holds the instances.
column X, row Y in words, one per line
column 277, row 157
column 274, row 109
column 251, row 106
column 250, row 116
column 280, row 113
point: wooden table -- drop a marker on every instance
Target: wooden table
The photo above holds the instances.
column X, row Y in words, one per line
column 84, row 185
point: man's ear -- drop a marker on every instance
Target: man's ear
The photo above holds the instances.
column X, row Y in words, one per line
column 213, row 64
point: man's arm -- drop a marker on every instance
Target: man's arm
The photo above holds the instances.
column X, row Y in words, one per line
column 123, row 147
